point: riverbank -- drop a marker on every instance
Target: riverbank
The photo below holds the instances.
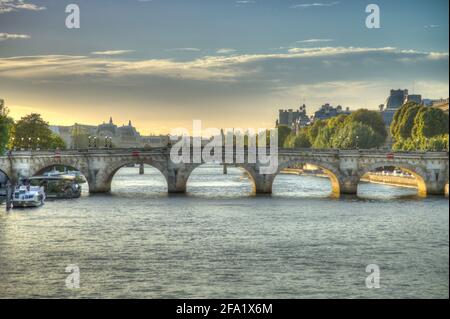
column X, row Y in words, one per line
column 390, row 180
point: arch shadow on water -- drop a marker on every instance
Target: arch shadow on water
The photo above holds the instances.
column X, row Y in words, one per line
column 209, row 181
column 4, row 178
column 127, row 182
column 376, row 185
column 289, row 185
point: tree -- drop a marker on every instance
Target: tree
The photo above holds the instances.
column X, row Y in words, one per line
column 283, row 133
column 32, row 132
column 406, row 123
column 398, row 117
column 6, row 124
column 314, row 130
column 323, row 139
column 56, row 142
column 430, row 122
column 372, row 119
column 80, row 137
column 356, row 135
column 300, row 140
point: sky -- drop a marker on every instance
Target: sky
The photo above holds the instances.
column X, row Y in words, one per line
column 230, row 63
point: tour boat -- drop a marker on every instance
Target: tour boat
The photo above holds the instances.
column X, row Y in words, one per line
column 59, row 186
column 28, row 196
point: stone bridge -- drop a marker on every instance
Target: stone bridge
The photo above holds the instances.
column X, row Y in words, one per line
column 345, row 168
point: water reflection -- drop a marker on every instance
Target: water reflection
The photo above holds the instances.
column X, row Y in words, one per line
column 220, row 241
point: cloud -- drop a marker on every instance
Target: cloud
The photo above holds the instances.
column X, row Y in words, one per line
column 315, row 4
column 315, row 40
column 12, row 36
column 244, row 2
column 112, row 52
column 218, row 68
column 225, row 51
column 184, row 50
column 16, row 5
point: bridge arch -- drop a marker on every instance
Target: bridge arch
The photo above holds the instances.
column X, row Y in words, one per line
column 329, row 169
column 6, row 178
column 417, row 171
column 106, row 176
column 40, row 167
column 246, row 169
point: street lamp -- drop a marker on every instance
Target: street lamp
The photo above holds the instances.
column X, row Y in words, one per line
column 37, row 144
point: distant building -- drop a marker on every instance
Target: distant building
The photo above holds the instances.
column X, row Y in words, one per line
column 293, row 119
column 155, row 141
column 327, row 111
column 394, row 101
column 415, row 98
column 441, row 104
column 125, row 136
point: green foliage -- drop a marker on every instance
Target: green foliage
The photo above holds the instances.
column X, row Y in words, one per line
column 362, row 129
column 323, row 139
column 416, row 127
column 430, row 122
column 56, row 142
column 6, row 123
column 80, row 137
column 406, row 124
column 356, row 135
column 315, row 129
column 33, row 132
column 372, row 119
column 398, row 118
column 301, row 140
column 283, row 133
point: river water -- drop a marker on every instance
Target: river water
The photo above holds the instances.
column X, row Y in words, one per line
column 220, row 241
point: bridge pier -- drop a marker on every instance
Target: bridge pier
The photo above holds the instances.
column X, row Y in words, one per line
column 177, row 179
column 347, row 186
column 263, row 184
column 438, row 188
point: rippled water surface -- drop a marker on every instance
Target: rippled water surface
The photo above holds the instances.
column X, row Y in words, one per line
column 220, row 241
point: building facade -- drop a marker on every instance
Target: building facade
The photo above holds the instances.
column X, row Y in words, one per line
column 327, row 111
column 294, row 119
column 105, row 135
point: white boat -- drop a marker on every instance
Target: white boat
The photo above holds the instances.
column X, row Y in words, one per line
column 28, row 196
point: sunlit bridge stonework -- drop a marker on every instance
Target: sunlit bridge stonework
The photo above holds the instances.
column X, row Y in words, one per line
column 344, row 167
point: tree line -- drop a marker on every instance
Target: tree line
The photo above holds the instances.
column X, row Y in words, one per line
column 416, row 127
column 30, row 132
column 362, row 129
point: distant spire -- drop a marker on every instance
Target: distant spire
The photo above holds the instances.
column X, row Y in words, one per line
column 110, row 120
column 129, row 123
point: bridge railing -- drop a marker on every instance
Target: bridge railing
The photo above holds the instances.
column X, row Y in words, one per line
column 281, row 151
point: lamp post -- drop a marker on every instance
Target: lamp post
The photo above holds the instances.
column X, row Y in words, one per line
column 38, row 140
